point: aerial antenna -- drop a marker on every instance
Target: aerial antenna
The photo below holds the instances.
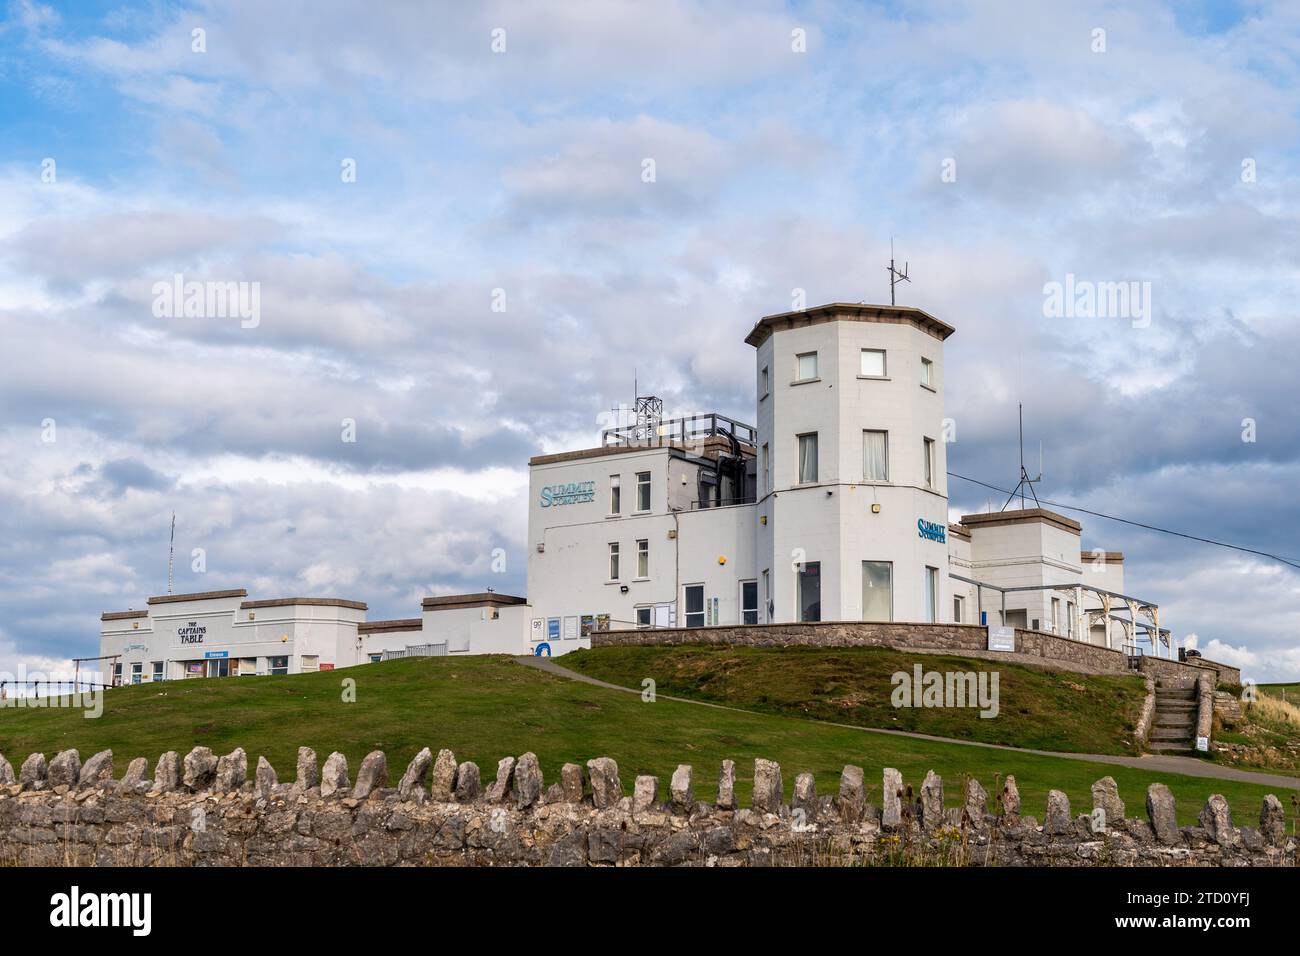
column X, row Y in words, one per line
column 171, row 554
column 895, row 276
column 1026, row 483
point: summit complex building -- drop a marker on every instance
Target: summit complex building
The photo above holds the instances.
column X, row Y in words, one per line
column 832, row 507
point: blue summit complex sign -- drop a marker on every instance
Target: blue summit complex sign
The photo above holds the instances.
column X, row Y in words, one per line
column 574, row 493
column 931, row 531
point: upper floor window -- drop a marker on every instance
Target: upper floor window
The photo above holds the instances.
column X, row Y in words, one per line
column 927, row 373
column 764, row 383
column 873, row 363
column 928, row 463
column 805, row 366
column 875, row 455
column 615, row 494
column 613, row 560
column 643, row 491
column 643, row 558
column 808, row 458
column 767, row 468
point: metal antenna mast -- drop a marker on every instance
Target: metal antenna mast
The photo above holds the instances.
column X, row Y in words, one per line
column 171, row 554
column 895, row 276
column 1026, row 483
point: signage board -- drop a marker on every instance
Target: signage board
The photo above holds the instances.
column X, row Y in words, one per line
column 931, row 530
column 542, row 650
column 191, row 633
column 1001, row 638
column 574, row 493
column 212, row 654
column 552, row 628
column 571, row 627
column 1203, row 744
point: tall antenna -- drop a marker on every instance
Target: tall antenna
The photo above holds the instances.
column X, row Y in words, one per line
column 895, row 276
column 1026, row 483
column 171, row 554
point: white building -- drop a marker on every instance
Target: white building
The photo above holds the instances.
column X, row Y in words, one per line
column 833, row 507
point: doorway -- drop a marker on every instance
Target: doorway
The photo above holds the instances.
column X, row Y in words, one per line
column 219, row 667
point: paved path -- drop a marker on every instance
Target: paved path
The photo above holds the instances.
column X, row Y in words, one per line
column 1162, row 763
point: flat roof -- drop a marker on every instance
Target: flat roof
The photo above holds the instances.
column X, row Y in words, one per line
column 1114, row 557
column 122, row 615
column 700, row 449
column 848, row 312
column 305, row 602
column 1020, row 516
column 197, row 596
column 401, row 624
column 481, row 599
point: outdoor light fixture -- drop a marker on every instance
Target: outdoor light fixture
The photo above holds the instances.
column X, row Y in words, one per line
column 623, row 589
column 875, row 508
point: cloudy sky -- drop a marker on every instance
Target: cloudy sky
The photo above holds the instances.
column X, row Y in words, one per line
column 498, row 152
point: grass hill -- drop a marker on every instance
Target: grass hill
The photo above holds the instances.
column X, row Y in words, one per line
column 1039, row 709
column 484, row 708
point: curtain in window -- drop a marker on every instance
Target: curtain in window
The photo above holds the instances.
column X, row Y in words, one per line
column 877, row 591
column 874, row 467
column 807, row 458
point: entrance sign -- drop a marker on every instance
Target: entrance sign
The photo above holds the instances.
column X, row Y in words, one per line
column 1001, row 638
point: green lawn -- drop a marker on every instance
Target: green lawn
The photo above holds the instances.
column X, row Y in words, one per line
column 1038, row 709
column 484, row 708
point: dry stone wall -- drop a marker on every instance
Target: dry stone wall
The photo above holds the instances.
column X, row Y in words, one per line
column 204, row 810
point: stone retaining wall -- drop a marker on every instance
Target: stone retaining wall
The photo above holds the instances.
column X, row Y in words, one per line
column 202, row 810
column 1049, row 649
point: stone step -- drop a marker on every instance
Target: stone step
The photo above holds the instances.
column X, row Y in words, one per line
column 1165, row 747
column 1171, row 734
column 1176, row 695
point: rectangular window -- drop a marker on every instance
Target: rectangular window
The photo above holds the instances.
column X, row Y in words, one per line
column 376, row 658
column 767, row 468
column 928, row 463
column 873, row 363
column 877, row 591
column 808, row 458
column 137, row 672
column 643, row 491
column 643, row 558
column 805, row 366
column 158, row 670
column 694, row 605
column 613, row 560
column 956, row 610
column 767, row 593
column 931, row 595
column 764, row 383
column 875, row 456
column 278, row 665
column 615, row 494
column 117, row 674
column 927, row 373
column 643, row 615
column 1069, row 619
column 748, row 602
column 1056, row 615
column 810, row 592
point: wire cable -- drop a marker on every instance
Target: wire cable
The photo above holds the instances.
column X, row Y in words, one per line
column 1138, row 524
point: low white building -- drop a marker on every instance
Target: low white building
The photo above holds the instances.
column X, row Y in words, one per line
column 834, row 506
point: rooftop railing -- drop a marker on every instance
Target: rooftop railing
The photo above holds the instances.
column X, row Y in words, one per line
column 680, row 431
